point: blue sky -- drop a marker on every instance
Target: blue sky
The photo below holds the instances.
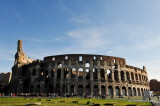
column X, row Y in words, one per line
column 121, row 28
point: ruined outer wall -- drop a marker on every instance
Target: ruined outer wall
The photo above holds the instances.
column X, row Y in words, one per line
column 5, row 78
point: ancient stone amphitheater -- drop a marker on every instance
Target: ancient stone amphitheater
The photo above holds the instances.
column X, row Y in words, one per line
column 77, row 74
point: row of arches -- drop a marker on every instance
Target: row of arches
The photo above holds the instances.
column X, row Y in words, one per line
column 95, row 90
column 86, row 74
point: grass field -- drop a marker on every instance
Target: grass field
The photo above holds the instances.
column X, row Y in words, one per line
column 14, row 101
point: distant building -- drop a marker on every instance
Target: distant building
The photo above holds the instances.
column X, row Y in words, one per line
column 4, row 82
column 5, row 78
column 154, row 85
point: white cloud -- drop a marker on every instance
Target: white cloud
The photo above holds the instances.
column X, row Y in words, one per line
column 89, row 37
column 36, row 40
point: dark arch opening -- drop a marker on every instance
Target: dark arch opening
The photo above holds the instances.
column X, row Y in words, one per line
column 38, row 89
column 129, row 91
column 122, row 76
column 117, row 91
column 58, row 73
column 80, row 90
column 57, row 89
column 109, row 75
column 72, row 89
column 34, row 72
column 134, row 92
column 95, row 74
column 26, row 86
column 110, row 91
column 116, row 75
column 124, row 91
column 95, row 90
column 102, row 73
column 88, row 90
column 103, row 90
column 31, row 89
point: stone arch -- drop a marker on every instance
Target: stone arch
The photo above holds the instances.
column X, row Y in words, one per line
column 122, row 75
column 132, row 76
column 136, row 75
column 51, row 89
column 138, row 90
column 72, row 89
column 103, row 90
column 87, row 65
column 129, row 91
column 142, row 93
column 110, row 90
column 24, row 70
column 65, row 73
column 140, row 78
column 52, row 72
column 88, row 89
column 38, row 89
column 116, row 75
column 64, row 90
column 127, row 74
column 80, row 73
column 26, row 86
column 109, row 74
column 73, row 73
column 58, row 73
column 87, row 74
column 117, row 89
column 34, row 72
column 46, row 73
column 46, row 84
column 80, row 90
column 31, row 89
column 134, row 92
column 95, row 90
column 124, row 91
column 102, row 74
column 57, row 90
column 95, row 74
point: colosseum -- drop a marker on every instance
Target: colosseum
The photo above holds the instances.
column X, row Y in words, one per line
column 78, row 74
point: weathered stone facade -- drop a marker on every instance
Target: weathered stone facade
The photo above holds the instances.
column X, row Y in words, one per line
column 79, row 74
column 154, row 85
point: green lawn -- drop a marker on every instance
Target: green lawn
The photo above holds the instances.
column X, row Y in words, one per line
column 14, row 101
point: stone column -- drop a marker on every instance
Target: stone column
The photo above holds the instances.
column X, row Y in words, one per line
column 55, row 74
column 125, row 76
column 134, row 76
column 106, row 90
column 99, row 75
column 91, row 89
column 62, row 75
column 68, row 86
column 76, row 89
column 130, row 78
column 119, row 76
column 84, row 90
column 106, row 77
column 84, row 77
column 76, row 71
column 114, row 91
column 112, row 74
column 127, row 91
column 120, row 88
column 99, row 87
